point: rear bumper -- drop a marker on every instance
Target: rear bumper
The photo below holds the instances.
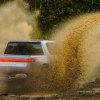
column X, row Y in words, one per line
column 15, row 73
column 31, row 70
column 19, row 76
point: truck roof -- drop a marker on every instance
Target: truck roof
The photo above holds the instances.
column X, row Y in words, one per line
column 32, row 41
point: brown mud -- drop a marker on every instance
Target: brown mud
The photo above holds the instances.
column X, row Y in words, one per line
column 76, row 61
column 77, row 52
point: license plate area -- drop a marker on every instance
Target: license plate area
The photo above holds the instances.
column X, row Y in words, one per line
column 13, row 64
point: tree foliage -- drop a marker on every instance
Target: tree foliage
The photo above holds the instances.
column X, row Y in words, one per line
column 34, row 4
column 4, row 1
column 53, row 12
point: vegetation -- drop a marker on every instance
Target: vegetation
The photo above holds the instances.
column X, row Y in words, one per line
column 4, row 1
column 54, row 12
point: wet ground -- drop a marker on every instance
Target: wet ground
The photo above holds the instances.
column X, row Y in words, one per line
column 49, row 98
column 80, row 95
column 90, row 94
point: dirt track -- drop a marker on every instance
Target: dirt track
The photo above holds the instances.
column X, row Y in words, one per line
column 12, row 97
column 83, row 95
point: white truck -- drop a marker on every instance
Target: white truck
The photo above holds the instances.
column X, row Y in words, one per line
column 21, row 58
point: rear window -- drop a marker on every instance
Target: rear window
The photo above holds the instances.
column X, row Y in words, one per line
column 24, row 48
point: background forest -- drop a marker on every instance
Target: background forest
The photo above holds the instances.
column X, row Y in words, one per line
column 54, row 12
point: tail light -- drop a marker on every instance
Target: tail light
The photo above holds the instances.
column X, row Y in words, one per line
column 28, row 60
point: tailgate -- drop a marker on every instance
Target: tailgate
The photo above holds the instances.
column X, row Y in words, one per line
column 14, row 64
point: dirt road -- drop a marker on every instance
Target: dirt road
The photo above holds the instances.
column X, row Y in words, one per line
column 82, row 96
column 49, row 98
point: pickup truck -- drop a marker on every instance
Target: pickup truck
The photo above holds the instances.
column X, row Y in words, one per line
column 21, row 58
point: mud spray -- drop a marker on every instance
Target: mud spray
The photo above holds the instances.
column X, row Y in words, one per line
column 77, row 55
column 77, row 60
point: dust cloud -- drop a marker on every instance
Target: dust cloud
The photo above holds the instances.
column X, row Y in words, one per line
column 16, row 22
column 77, row 60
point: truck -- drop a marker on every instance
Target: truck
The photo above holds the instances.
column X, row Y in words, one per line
column 23, row 58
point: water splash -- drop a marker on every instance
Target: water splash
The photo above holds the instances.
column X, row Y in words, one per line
column 77, row 53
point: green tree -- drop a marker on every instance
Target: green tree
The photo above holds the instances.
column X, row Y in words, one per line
column 4, row 1
column 55, row 11
column 34, row 4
